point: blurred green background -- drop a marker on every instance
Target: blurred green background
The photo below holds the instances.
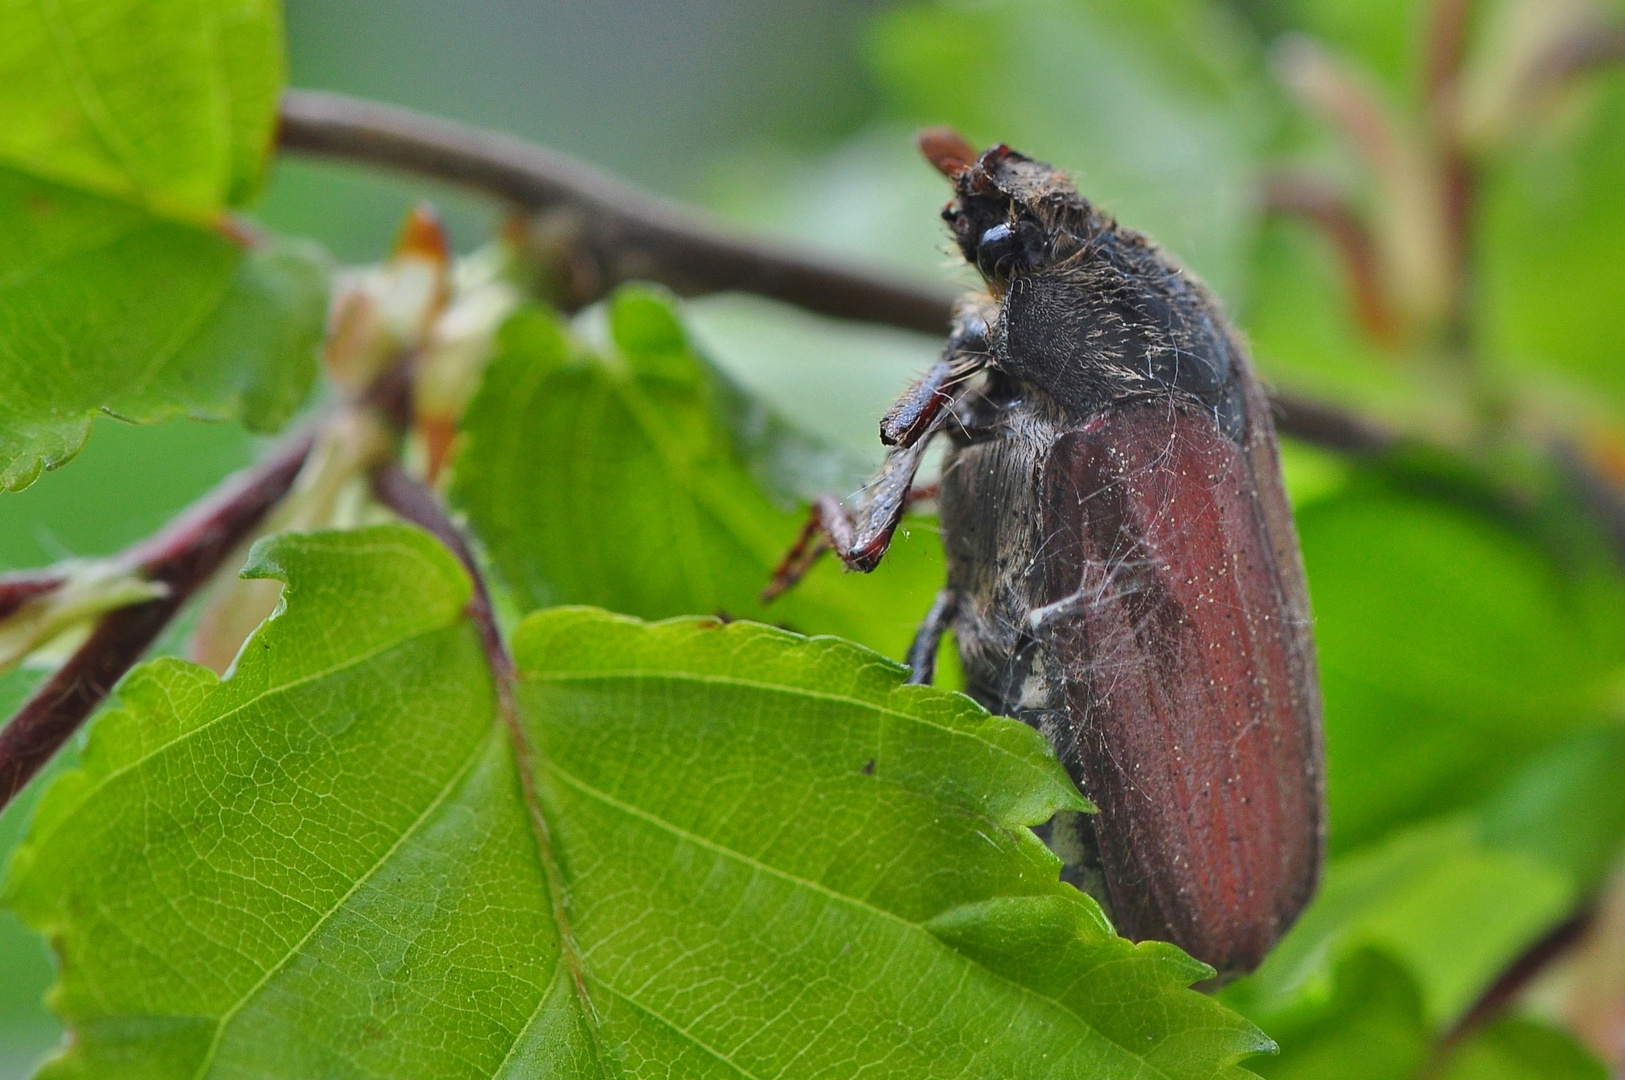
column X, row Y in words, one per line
column 1470, row 608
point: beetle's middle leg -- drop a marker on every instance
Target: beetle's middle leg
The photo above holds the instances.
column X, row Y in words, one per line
column 922, row 655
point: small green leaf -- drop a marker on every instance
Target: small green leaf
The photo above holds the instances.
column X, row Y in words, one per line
column 720, row 850
column 105, row 308
column 616, row 482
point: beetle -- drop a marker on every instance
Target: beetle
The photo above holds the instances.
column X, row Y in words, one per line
column 1123, row 572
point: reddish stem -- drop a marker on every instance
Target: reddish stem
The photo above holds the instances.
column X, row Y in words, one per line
column 20, row 588
column 181, row 558
column 1446, row 46
column 1318, row 202
column 415, row 502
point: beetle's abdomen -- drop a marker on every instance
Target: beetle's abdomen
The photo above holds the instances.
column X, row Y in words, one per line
column 1188, row 681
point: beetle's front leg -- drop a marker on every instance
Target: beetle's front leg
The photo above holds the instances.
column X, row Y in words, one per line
column 859, row 538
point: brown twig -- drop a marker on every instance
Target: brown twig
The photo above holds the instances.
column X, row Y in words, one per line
column 601, row 231
column 180, row 558
column 1327, row 426
column 661, row 241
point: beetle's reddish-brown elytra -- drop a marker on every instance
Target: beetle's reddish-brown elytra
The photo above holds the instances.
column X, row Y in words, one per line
column 1122, row 568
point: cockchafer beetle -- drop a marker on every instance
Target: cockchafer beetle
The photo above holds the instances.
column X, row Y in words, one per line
column 1123, row 572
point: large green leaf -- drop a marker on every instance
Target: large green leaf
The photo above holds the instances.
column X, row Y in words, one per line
column 1452, row 909
column 1372, row 1027
column 615, row 481
column 129, row 127
column 724, row 850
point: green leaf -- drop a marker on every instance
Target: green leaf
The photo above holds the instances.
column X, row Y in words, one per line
column 104, row 307
column 723, row 850
column 615, row 481
column 169, row 104
column 130, row 126
column 1565, row 808
column 1367, row 1025
column 1554, row 250
column 1516, row 1048
column 1372, row 1027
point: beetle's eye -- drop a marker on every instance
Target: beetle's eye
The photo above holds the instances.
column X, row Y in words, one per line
column 998, row 250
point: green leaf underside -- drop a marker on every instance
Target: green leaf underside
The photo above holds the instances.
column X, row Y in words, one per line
column 165, row 103
column 613, row 482
column 776, row 859
column 106, row 308
column 130, row 126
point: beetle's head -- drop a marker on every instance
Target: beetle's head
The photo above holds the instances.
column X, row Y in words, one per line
column 1010, row 214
